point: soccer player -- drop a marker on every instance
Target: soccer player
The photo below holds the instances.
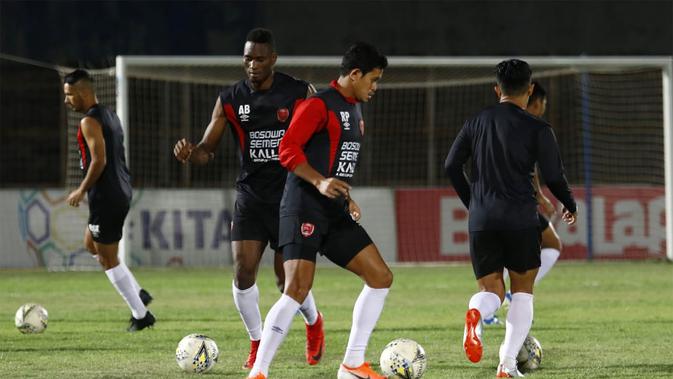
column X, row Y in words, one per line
column 504, row 143
column 321, row 150
column 107, row 184
column 258, row 110
column 551, row 242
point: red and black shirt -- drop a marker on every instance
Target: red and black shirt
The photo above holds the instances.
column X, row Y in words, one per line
column 258, row 121
column 327, row 133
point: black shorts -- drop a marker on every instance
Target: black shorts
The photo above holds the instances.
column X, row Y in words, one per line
column 255, row 221
column 517, row 250
column 339, row 239
column 106, row 220
column 544, row 222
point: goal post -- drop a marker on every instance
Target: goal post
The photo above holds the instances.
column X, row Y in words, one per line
column 421, row 104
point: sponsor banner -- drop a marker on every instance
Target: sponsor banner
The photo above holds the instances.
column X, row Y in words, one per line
column 163, row 228
column 628, row 222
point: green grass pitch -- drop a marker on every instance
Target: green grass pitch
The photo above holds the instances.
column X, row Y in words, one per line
column 594, row 320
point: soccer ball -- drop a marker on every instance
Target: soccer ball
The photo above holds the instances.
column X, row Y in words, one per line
column 196, row 353
column 31, row 318
column 530, row 355
column 403, row 358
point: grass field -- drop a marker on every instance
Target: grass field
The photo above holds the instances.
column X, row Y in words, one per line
column 594, row 320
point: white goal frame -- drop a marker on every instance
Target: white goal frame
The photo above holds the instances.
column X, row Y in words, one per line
column 665, row 63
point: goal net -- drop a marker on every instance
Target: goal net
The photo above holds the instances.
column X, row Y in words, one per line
column 611, row 116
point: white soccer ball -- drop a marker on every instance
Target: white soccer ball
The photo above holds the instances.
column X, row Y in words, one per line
column 403, row 358
column 31, row 318
column 530, row 355
column 196, row 353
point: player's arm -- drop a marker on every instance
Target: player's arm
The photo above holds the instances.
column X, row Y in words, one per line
column 92, row 131
column 310, row 117
column 551, row 168
column 204, row 151
column 459, row 154
column 541, row 198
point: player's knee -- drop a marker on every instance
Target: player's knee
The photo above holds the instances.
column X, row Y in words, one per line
column 297, row 291
column 381, row 279
column 244, row 280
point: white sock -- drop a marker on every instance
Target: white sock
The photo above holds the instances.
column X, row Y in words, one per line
column 366, row 313
column 505, row 275
column 123, row 282
column 519, row 320
column 308, row 309
column 277, row 324
column 487, row 303
column 247, row 304
column 134, row 282
column 548, row 257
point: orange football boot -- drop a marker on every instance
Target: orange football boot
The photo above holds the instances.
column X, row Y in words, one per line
column 315, row 341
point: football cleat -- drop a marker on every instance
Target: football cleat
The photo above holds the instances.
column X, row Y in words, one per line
column 258, row 376
column 504, row 372
column 315, row 341
column 472, row 336
column 140, row 324
column 364, row 371
column 252, row 356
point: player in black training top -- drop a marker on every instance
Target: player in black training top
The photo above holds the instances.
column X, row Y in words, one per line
column 504, row 142
column 258, row 111
column 107, row 184
column 321, row 150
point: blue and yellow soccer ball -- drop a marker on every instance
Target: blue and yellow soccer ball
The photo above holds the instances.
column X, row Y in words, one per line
column 530, row 355
column 403, row 358
column 196, row 353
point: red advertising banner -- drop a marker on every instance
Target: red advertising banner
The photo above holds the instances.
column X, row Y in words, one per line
column 628, row 222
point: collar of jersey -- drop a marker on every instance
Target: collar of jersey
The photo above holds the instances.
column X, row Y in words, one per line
column 334, row 84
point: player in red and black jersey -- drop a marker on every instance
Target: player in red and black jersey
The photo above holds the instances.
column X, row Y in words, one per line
column 258, row 111
column 321, row 150
column 107, row 184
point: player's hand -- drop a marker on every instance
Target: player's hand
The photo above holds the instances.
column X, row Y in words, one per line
column 569, row 217
column 75, row 197
column 354, row 210
column 183, row 150
column 547, row 206
column 333, row 187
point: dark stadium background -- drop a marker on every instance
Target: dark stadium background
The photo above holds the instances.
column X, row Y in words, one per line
column 91, row 33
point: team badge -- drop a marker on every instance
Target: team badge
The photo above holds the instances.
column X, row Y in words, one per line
column 282, row 114
column 362, row 127
column 307, row 229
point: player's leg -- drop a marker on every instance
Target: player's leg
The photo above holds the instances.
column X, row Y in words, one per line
column 145, row 296
column 246, row 256
column 551, row 250
column 349, row 246
column 299, row 272
column 123, row 281
column 523, row 261
column 487, row 263
column 315, row 335
column 372, row 269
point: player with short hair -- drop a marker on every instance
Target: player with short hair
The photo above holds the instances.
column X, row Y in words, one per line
column 321, row 150
column 551, row 242
column 258, row 110
column 107, row 184
column 504, row 143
